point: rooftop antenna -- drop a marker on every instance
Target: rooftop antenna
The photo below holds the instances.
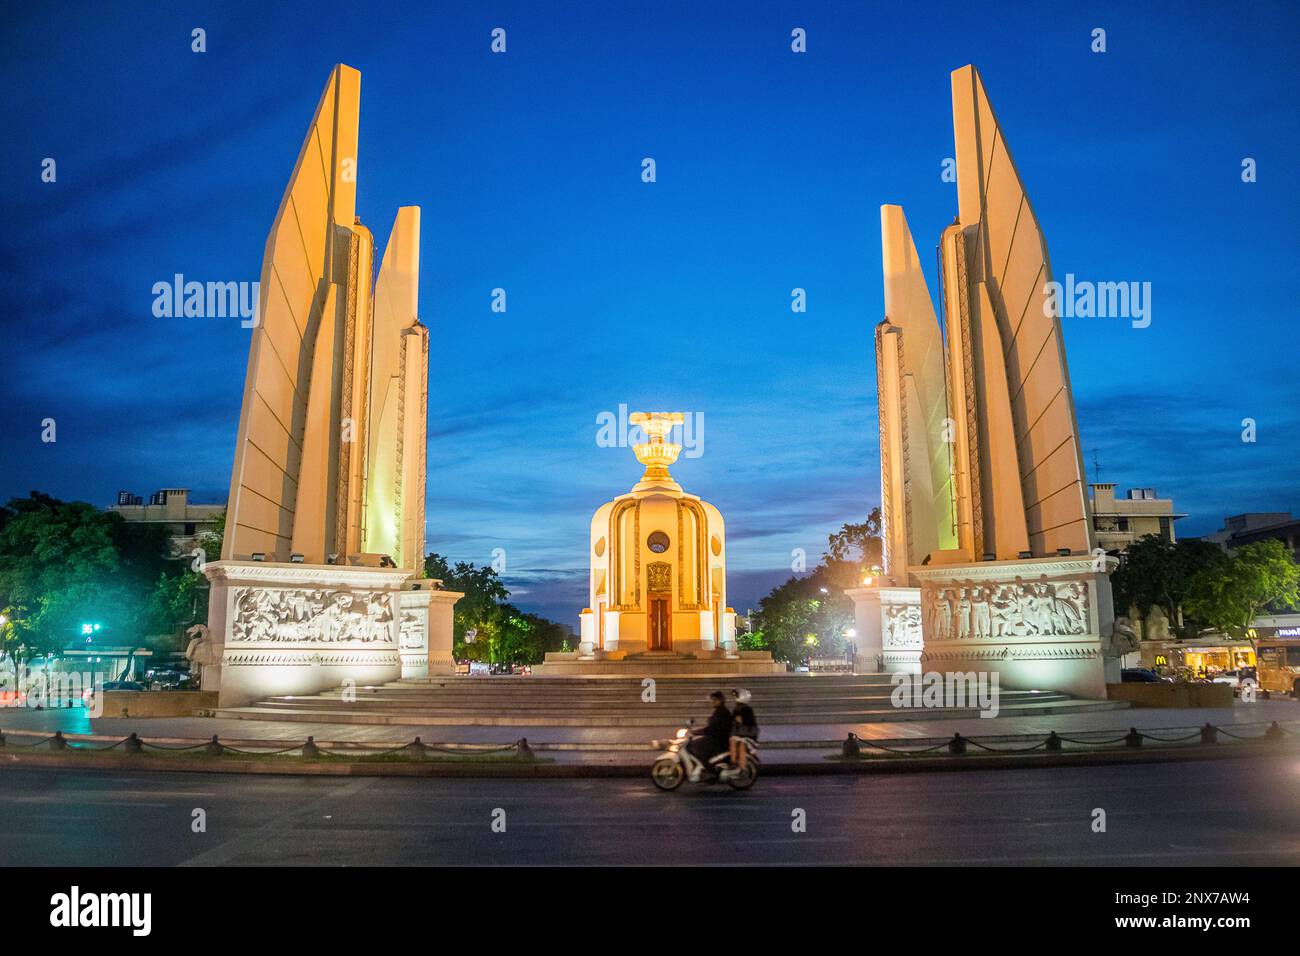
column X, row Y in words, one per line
column 1096, row 467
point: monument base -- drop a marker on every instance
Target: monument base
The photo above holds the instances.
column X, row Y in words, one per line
column 1037, row 622
column 657, row 664
column 299, row 629
column 887, row 621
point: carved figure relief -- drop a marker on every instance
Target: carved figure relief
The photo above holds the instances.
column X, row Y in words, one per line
column 902, row 626
column 970, row 610
column 412, row 636
column 316, row 616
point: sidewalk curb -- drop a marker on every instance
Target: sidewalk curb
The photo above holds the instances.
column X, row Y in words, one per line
column 522, row 770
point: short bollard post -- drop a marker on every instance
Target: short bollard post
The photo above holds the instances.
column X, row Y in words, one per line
column 57, row 742
column 309, row 750
column 1133, row 738
column 523, row 751
column 416, row 749
column 1209, row 734
column 214, row 748
column 133, row 744
column 1274, row 732
column 1053, row 742
column 851, row 747
column 957, row 745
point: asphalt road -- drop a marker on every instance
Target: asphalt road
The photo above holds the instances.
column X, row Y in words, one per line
column 1222, row 812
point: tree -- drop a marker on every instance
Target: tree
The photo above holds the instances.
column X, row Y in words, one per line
column 1160, row 573
column 65, row 564
column 811, row 616
column 860, row 543
column 476, row 611
column 503, row 633
column 179, row 597
column 59, row 565
column 1255, row 576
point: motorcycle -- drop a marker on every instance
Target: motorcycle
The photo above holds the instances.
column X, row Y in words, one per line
column 677, row 764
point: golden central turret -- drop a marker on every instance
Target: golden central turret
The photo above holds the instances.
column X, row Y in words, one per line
column 656, row 453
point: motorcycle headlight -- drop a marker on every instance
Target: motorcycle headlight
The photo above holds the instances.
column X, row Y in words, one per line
column 681, row 733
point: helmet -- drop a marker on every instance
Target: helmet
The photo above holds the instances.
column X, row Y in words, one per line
column 742, row 696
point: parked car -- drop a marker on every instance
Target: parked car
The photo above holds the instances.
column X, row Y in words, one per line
column 168, row 677
column 1242, row 677
column 1140, row 675
column 123, row 685
column 171, row 680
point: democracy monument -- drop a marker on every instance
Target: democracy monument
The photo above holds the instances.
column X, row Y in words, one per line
column 321, row 573
column 657, row 591
column 988, row 551
column 989, row 557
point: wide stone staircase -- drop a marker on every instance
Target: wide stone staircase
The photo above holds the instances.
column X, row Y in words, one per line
column 622, row 702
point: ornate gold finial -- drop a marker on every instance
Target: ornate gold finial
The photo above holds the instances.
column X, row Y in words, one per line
column 656, row 453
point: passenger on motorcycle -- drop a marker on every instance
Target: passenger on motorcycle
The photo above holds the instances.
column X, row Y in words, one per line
column 713, row 739
column 744, row 724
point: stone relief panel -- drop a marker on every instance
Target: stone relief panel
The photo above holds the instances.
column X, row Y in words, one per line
column 412, row 635
column 992, row 610
column 267, row 615
column 902, row 627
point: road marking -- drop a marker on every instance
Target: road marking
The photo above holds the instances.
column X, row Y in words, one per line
column 276, row 826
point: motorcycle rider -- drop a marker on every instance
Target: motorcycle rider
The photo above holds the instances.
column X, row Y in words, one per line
column 713, row 739
column 744, row 724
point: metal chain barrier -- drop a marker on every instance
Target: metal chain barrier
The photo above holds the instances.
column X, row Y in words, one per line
column 957, row 745
column 851, row 747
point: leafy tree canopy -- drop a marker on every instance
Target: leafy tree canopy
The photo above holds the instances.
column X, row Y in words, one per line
column 502, row 633
column 1163, row 574
column 811, row 616
column 1254, row 577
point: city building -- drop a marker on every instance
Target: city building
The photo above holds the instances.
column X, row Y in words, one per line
column 1118, row 522
column 171, row 507
column 1258, row 526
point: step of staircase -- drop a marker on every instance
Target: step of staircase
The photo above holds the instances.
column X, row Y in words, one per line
column 617, row 702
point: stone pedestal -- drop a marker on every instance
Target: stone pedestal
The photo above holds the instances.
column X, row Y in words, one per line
column 870, row 653
column 426, row 629
column 887, row 618
column 442, row 606
column 1037, row 622
column 299, row 629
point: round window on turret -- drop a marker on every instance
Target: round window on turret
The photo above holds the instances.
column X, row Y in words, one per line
column 715, row 543
column 657, row 542
column 600, row 548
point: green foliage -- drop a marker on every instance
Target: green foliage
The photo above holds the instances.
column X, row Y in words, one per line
column 1159, row 573
column 179, row 597
column 857, row 544
column 60, row 564
column 809, row 616
column 1255, row 576
column 504, row 634
column 63, row 564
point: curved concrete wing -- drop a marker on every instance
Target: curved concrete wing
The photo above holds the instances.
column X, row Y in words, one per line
column 394, row 516
column 915, row 430
column 1010, row 260
column 289, row 376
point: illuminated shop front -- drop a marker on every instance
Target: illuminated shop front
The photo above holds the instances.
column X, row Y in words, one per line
column 1201, row 655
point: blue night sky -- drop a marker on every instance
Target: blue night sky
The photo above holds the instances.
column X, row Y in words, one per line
column 672, row 295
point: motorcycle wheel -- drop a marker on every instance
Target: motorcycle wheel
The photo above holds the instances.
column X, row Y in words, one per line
column 745, row 779
column 667, row 773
